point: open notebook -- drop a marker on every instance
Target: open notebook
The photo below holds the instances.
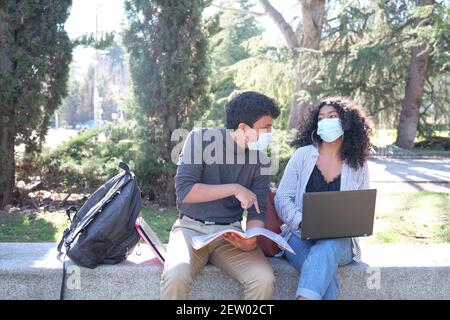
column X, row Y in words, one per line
column 201, row 241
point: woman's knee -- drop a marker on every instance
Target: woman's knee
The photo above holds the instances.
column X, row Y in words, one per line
column 334, row 248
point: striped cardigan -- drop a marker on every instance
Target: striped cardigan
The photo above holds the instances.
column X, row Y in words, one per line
column 289, row 195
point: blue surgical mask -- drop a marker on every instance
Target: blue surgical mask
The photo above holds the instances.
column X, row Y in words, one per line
column 264, row 140
column 329, row 129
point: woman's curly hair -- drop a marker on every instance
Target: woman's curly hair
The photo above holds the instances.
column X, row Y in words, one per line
column 357, row 129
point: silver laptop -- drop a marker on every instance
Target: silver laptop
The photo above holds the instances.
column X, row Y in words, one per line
column 338, row 214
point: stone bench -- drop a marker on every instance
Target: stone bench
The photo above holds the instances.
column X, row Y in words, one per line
column 32, row 271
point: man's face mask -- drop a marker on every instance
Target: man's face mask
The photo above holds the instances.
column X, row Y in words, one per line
column 264, row 139
column 329, row 129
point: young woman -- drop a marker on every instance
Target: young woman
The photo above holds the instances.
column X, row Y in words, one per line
column 333, row 146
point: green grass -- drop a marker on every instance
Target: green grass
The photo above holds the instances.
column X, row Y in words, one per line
column 49, row 226
column 161, row 221
column 412, row 217
column 33, row 226
column 384, row 137
column 409, row 217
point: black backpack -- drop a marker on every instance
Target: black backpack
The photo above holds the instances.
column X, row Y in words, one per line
column 103, row 229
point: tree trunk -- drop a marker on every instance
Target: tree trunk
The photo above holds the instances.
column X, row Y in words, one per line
column 297, row 108
column 7, row 129
column 409, row 115
column 171, row 125
column 170, row 187
column 313, row 12
column 289, row 35
column 7, row 166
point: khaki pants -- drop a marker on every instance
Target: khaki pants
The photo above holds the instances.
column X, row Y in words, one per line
column 183, row 262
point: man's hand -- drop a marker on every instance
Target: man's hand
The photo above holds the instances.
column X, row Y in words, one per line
column 246, row 197
column 239, row 242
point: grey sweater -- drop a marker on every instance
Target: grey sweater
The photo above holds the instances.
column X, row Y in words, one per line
column 211, row 156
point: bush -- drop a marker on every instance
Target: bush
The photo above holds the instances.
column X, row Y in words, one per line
column 434, row 143
column 89, row 159
column 282, row 140
column 78, row 165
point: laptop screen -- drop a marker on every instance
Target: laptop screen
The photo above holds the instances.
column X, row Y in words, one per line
column 338, row 214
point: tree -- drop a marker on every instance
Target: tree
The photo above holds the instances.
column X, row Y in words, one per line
column 112, row 85
column 361, row 56
column 35, row 53
column 228, row 48
column 167, row 43
column 417, row 73
column 365, row 53
column 307, row 37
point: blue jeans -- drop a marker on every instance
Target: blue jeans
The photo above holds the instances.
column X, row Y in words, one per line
column 317, row 261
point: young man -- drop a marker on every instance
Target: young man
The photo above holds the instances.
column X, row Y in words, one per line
column 221, row 172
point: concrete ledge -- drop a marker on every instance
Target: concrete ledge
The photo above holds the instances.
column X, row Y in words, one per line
column 29, row 271
column 32, row 271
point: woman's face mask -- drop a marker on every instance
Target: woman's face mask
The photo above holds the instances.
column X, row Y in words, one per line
column 330, row 129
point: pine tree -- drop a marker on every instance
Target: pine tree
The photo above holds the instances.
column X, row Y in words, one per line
column 301, row 41
column 228, row 48
column 35, row 53
column 366, row 54
column 167, row 42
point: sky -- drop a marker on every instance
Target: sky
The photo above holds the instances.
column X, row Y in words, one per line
column 83, row 12
column 111, row 17
column 82, row 19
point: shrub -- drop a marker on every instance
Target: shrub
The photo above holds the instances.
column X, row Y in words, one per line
column 89, row 159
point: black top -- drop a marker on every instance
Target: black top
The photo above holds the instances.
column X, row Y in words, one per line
column 317, row 183
column 210, row 156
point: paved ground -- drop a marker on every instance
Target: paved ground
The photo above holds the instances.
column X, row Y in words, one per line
column 410, row 174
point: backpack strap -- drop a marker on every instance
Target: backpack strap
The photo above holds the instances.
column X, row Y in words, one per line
column 63, row 239
column 123, row 165
column 61, row 292
column 69, row 210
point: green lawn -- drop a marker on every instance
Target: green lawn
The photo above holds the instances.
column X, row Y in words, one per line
column 383, row 137
column 161, row 220
column 49, row 226
column 410, row 217
column 32, row 227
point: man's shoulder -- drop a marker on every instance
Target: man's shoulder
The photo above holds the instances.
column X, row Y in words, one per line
column 204, row 130
column 205, row 134
column 199, row 137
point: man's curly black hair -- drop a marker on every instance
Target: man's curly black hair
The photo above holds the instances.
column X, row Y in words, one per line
column 248, row 107
column 357, row 129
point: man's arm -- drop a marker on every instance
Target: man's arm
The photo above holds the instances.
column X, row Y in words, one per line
column 188, row 179
column 260, row 187
column 201, row 192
